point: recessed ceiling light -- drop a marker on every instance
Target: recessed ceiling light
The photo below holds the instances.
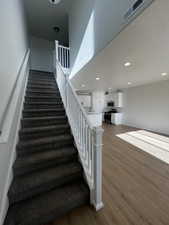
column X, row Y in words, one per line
column 127, row 64
column 164, row 74
column 109, row 88
column 83, row 85
column 129, row 83
column 97, row 78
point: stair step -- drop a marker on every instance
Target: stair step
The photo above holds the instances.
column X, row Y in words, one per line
column 49, row 206
column 40, row 72
column 43, row 121
column 43, row 105
column 37, row 161
column 48, row 178
column 41, row 82
column 33, row 98
column 29, row 113
column 25, row 187
column 38, row 132
column 44, row 144
column 43, row 94
column 42, row 91
column 44, row 87
column 41, row 78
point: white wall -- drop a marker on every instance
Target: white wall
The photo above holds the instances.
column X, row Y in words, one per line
column 93, row 19
column 85, row 100
column 98, row 100
column 79, row 17
column 147, row 107
column 13, row 48
column 42, row 54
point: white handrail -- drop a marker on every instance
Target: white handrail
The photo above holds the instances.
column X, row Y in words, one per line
column 12, row 92
column 88, row 139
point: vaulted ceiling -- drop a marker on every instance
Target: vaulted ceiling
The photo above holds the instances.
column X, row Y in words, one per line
column 144, row 43
column 42, row 17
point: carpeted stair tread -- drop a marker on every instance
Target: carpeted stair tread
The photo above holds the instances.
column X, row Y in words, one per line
column 41, row 82
column 41, row 72
column 47, row 97
column 41, row 78
column 29, row 113
column 42, row 91
column 43, row 121
column 43, row 110
column 48, row 178
column 47, row 207
column 45, row 128
column 44, row 180
column 41, row 141
column 40, row 105
column 44, row 118
column 41, row 75
column 37, row 86
column 44, row 103
column 43, row 131
column 43, row 106
column 36, row 159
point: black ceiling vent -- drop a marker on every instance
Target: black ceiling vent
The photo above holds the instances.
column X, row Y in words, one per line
column 137, row 8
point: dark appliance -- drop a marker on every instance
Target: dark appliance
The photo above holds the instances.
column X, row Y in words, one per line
column 107, row 116
column 110, row 104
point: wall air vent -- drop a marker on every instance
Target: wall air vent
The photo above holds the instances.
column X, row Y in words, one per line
column 137, row 8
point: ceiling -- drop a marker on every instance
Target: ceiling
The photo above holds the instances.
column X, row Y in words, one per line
column 43, row 16
column 144, row 43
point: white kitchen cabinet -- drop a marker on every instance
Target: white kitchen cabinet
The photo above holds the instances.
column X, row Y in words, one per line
column 116, row 118
column 95, row 119
column 119, row 99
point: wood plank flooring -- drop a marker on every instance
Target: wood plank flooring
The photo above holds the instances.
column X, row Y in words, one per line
column 135, row 187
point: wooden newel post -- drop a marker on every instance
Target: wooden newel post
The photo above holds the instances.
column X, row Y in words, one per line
column 96, row 197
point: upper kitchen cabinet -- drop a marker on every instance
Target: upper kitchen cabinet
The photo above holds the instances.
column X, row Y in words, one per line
column 119, row 99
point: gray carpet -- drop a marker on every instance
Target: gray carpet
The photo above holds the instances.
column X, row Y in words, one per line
column 48, row 178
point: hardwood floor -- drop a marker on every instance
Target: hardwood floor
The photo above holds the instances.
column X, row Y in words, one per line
column 135, row 187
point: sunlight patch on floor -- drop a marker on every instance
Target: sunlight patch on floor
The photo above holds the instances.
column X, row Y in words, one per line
column 154, row 144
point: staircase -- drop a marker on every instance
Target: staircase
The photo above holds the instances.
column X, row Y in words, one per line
column 48, row 178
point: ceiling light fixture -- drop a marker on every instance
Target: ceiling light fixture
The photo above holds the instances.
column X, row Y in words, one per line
column 83, row 85
column 164, row 74
column 56, row 29
column 97, row 78
column 129, row 83
column 54, row 2
column 127, row 64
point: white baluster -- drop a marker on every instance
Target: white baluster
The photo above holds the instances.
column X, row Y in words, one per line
column 87, row 139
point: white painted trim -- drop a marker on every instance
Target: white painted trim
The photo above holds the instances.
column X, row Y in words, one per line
column 99, row 206
column 88, row 139
column 18, row 110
